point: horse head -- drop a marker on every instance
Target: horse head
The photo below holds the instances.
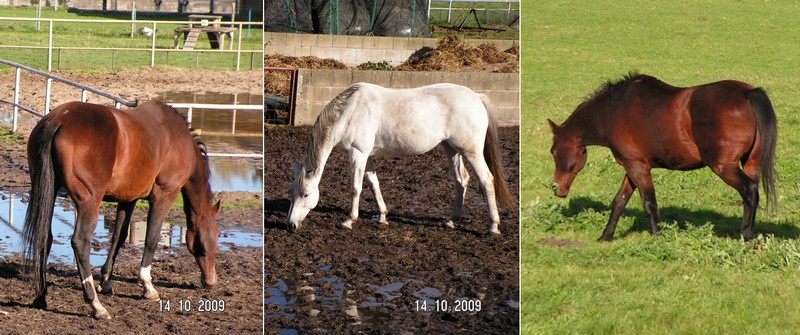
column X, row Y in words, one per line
column 201, row 240
column 570, row 158
column 304, row 195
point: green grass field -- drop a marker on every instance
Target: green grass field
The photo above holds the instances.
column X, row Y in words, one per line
column 86, row 36
column 698, row 277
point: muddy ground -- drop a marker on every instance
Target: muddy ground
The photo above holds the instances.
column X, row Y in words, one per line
column 175, row 273
column 315, row 276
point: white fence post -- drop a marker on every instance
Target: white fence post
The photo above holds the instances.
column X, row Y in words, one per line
column 239, row 48
column 16, row 101
column 47, row 91
column 153, row 47
column 50, row 48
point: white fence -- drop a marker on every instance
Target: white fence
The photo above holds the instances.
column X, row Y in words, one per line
column 510, row 6
column 237, row 50
column 118, row 102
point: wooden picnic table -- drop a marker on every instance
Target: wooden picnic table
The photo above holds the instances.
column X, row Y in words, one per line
column 211, row 25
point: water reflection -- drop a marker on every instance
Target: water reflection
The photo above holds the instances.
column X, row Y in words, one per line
column 12, row 217
column 241, row 130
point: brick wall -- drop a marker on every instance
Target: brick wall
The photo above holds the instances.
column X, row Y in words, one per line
column 316, row 87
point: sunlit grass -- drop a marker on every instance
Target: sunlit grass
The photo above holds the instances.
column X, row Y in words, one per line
column 698, row 277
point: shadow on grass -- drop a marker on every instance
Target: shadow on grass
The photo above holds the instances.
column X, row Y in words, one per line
column 724, row 225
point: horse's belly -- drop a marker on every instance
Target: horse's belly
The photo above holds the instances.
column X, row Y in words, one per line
column 403, row 147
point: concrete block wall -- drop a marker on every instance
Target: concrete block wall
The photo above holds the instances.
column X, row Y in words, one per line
column 356, row 50
column 316, row 87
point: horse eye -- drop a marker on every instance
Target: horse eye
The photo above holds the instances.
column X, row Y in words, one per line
column 584, row 150
column 305, row 195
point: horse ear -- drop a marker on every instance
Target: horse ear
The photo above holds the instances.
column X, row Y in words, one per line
column 217, row 207
column 553, row 126
column 298, row 168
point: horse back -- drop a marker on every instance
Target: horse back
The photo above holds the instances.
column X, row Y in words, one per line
column 118, row 155
column 413, row 121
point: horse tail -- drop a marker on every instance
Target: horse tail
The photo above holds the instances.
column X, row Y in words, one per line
column 491, row 153
column 38, row 218
column 768, row 132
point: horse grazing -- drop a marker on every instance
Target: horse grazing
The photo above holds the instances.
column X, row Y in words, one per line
column 649, row 124
column 368, row 120
column 100, row 154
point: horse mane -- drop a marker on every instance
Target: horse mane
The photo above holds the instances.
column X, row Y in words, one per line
column 320, row 134
column 611, row 87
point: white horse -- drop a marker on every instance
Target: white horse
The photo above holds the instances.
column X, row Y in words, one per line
column 368, row 120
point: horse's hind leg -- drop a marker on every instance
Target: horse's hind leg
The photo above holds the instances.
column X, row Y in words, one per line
column 461, row 180
column 159, row 207
column 372, row 179
column 358, row 161
column 487, row 184
column 121, row 226
column 747, row 188
column 88, row 210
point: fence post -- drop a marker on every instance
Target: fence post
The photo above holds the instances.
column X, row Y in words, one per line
column 83, row 96
column 50, row 48
column 16, row 101
column 48, row 88
column 449, row 10
column 153, row 46
column 189, row 116
column 239, row 48
column 133, row 20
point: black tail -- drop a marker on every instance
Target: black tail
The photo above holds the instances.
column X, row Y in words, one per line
column 36, row 232
column 768, row 131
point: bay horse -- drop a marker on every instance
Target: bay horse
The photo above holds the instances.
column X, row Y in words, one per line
column 98, row 153
column 728, row 126
column 368, row 120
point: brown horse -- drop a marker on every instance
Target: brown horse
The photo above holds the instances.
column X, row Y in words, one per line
column 100, row 154
column 649, row 124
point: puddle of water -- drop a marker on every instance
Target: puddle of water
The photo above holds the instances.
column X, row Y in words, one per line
column 240, row 129
column 12, row 219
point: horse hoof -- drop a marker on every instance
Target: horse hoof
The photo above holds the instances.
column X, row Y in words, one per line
column 105, row 288
column 347, row 224
column 450, row 224
column 152, row 295
column 495, row 232
column 102, row 315
column 605, row 239
column 39, row 303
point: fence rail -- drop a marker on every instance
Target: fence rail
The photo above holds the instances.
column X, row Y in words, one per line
column 150, row 24
column 510, row 6
column 118, row 102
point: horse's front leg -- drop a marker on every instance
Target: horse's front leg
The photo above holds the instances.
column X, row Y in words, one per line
column 160, row 203
column 643, row 180
column 121, row 226
column 620, row 200
column 461, row 180
column 372, row 179
column 88, row 210
column 358, row 161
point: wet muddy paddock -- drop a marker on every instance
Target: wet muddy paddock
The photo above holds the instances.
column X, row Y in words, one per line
column 373, row 278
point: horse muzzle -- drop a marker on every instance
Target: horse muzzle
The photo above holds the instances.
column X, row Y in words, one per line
column 208, row 282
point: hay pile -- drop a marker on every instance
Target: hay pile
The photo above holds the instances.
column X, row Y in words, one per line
column 454, row 55
column 277, row 82
column 305, row 62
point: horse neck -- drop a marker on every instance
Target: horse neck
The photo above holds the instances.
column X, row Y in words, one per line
column 589, row 125
column 197, row 192
column 322, row 141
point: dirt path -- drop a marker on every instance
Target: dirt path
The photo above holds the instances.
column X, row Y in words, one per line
column 321, row 279
column 175, row 273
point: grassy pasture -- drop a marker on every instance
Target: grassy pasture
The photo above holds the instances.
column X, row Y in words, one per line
column 109, row 35
column 698, row 277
